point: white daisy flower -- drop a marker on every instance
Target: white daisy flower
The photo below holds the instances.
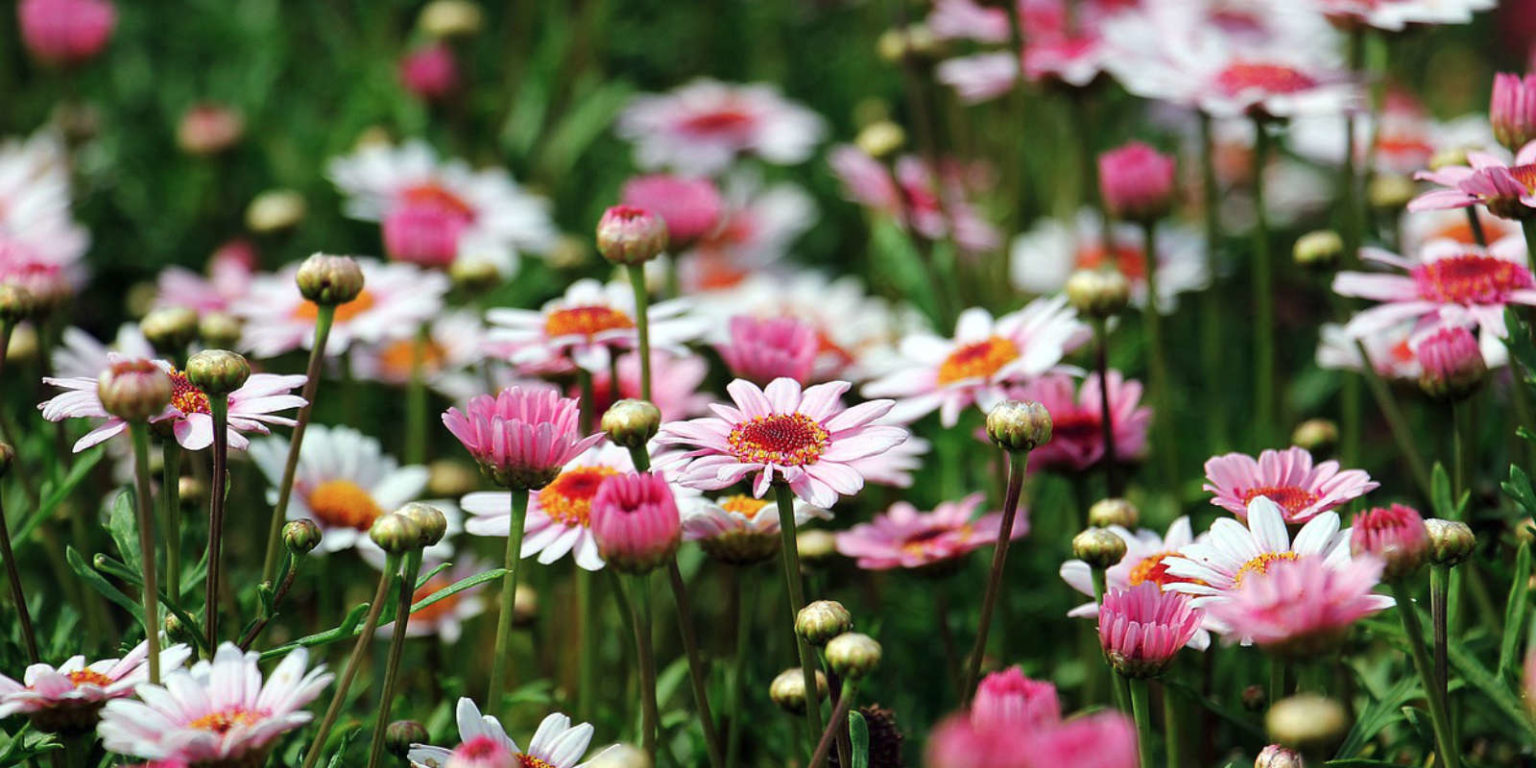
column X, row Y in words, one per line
column 556, row 744
column 396, row 299
column 589, row 323
column 1043, row 258
column 701, row 127
column 1146, row 560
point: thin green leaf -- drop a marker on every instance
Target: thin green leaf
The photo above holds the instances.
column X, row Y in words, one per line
column 858, row 734
column 1378, row 715
column 1514, row 610
column 96, row 582
column 84, row 463
column 1440, row 493
column 124, row 528
column 1518, row 487
column 1497, row 691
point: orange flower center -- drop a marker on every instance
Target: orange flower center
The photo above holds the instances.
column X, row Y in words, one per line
column 223, row 721
column 308, row 311
column 436, row 196
column 185, row 396
column 1260, row 564
column 525, row 760
column 1471, row 278
column 786, row 439
column 1288, row 497
column 978, row 360
column 1526, row 175
column 585, row 321
column 438, row 610
column 726, row 120
column 398, row 357
column 1129, row 259
column 919, row 543
column 89, row 677
column 1274, row 78
column 1460, row 230
column 743, row 505
column 342, row 504
column 568, row 499
column 1154, row 568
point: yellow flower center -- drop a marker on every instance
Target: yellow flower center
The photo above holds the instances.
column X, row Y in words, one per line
column 223, row 721
column 343, row 504
column 185, row 396
column 308, row 311
column 1260, row 564
column 525, row 760
column 568, row 499
column 786, row 439
column 978, row 360
column 89, row 677
column 398, row 357
column 585, row 321
column 743, row 505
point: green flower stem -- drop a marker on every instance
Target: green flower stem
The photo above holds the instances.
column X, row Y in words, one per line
column 354, row 661
column 508, row 597
column 1462, row 440
column 645, row 656
column 216, row 493
column 170, row 502
column 1141, row 710
column 1106, row 420
column 1439, row 598
column 1157, row 367
column 1210, row 305
column 747, row 603
column 1173, row 741
column 696, row 670
column 1016, row 464
column 1401, row 434
column 837, row 726
column 140, row 432
column 1263, row 298
column 1117, row 681
column 1476, row 225
column 406, row 591
column 1450, row 756
column 17, row 593
column 323, row 319
column 586, row 674
column 416, row 399
column 791, row 557
column 642, row 326
column 1276, row 679
column 588, row 399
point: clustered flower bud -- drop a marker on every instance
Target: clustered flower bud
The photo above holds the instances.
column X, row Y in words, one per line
column 329, row 280
column 1136, row 182
column 301, row 536
column 16, row 304
column 822, row 620
column 1098, row 547
column 1307, row 722
column 881, row 139
column 1451, row 364
column 1318, row 436
column 1019, row 426
column 1450, row 541
column 218, row 372
column 1107, row 512
column 1512, row 110
column 401, row 734
column 219, row 330
column 134, row 390
column 1319, row 250
column 631, row 423
column 450, row 18
column 430, row 521
column 628, row 234
column 169, row 329
column 1396, row 535
column 395, row 534
column 1098, row 293
column 853, row 655
column 1276, row 756
column 788, row 690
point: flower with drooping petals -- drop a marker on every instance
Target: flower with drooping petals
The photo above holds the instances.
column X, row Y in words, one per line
column 65, row 31
column 68, row 698
column 805, row 439
column 912, row 199
column 520, row 437
column 1136, row 182
column 1145, row 562
column 556, row 744
column 903, row 537
column 1077, row 432
column 701, row 127
column 635, row 522
column 1395, row 535
column 1287, row 478
column 739, row 529
column 591, row 322
column 692, row 208
column 430, row 73
column 396, row 300
column 230, row 272
column 1143, row 627
column 1451, row 363
column 1008, row 699
column 1507, row 191
column 763, row 350
column 1512, row 109
column 1042, row 258
column 984, row 357
column 1300, row 608
column 202, row 716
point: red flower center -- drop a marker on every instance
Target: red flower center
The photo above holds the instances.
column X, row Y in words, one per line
column 343, row 504
column 721, row 121
column 786, row 439
column 1271, row 78
column 1154, row 568
column 585, row 321
column 433, row 195
column 977, row 360
column 568, row 499
column 919, row 543
column 1129, row 259
column 1471, row 278
column 89, row 677
column 185, row 396
column 223, row 721
column 1288, row 497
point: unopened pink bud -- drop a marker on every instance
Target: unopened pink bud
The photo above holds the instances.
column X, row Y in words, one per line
column 1512, row 110
column 763, row 350
column 635, row 522
column 1451, row 364
column 66, row 31
column 629, row 234
column 430, row 73
column 1136, row 182
column 692, row 208
column 1396, row 535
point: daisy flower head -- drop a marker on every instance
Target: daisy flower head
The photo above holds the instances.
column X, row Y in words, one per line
column 1041, row 260
column 759, row 224
column 1287, row 478
column 230, row 272
column 1077, row 433
column 198, row 716
column 910, row 195
column 80, row 355
column 68, row 699
column 1396, row 535
column 985, row 356
column 396, row 299
column 1506, row 190
column 1143, row 627
column 454, row 344
column 1388, row 348
column 702, row 127
column 903, row 537
column 521, row 437
column 1300, row 608
column 556, row 743
column 739, row 529
column 761, row 350
column 1424, row 227
column 41, row 245
column 958, row 741
column 692, row 208
column 1101, row 740
column 1010, row 699
column 588, row 324
column 805, row 439
column 66, row 32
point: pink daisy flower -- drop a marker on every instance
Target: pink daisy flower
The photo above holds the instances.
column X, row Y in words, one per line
column 1041, row 259
column 758, row 226
column 1143, row 627
column 1077, row 433
column 692, row 208
column 1287, row 478
column 520, row 437
column 903, row 537
column 588, row 324
column 216, row 713
column 979, row 77
column 965, row 20
column 1397, row 15
column 763, row 350
column 41, row 245
column 910, row 196
column 66, row 32
column 455, row 344
column 68, row 698
column 1145, row 562
column 396, row 299
column 1008, row 699
column 676, row 384
column 556, row 743
column 230, row 272
column 1101, row 740
column 1301, row 608
column 251, row 408
column 702, row 127
column 959, row 742
column 896, row 466
column 803, row 438
column 1389, row 349
column 1505, row 190
column 984, row 357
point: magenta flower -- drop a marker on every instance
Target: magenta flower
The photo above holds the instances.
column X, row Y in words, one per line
column 65, row 31
column 1287, row 478
column 1302, row 607
column 520, row 437
column 430, row 73
column 690, row 207
column 761, row 350
column 425, row 232
column 1008, row 699
column 903, row 537
column 635, row 521
column 1136, row 182
column 1141, row 628
column 959, row 742
column 1508, row 191
column 1512, row 110
column 1103, row 740
column 1451, row 363
column 1395, row 534
column 805, row 439
column 1077, row 431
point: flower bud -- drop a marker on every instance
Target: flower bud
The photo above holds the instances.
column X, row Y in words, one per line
column 429, row 520
column 853, row 655
column 916, row 40
column 134, row 390
column 788, row 690
column 65, row 32
column 448, row 478
column 329, row 280
column 1317, row 436
column 881, row 139
column 1136, row 182
column 16, row 304
column 1390, row 192
column 474, row 275
column 219, row 330
column 1450, row 541
column 450, row 18
column 1451, row 364
column 23, row 347
column 395, row 534
column 620, row 756
column 1512, row 110
column 301, row 536
column 815, row 546
column 628, row 234
column 1319, row 250
column 192, row 492
column 692, row 208
column 822, row 620
column 631, row 423
column 1276, row 756
column 431, row 72
column 525, row 606
column 1307, row 722
column 635, row 522
column 218, row 371
column 178, row 631
column 401, row 734
column 1019, row 426
column 1396, row 534
column 208, row 129
column 7, row 458
column 1098, row 547
column 169, row 329
column 1107, row 512
column 275, row 210
column 1098, row 293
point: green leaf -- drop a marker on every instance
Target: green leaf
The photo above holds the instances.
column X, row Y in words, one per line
column 1518, row 487
column 125, row 530
column 1497, row 691
column 1514, row 609
column 897, row 258
column 1440, row 493
column 1378, row 715
column 101, row 585
column 347, row 737
column 858, row 733
column 84, row 463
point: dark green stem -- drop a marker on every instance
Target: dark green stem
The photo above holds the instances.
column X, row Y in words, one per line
column 416, row 399
column 13, row 574
column 791, row 557
column 354, row 661
column 1141, row 710
column 696, row 670
column 1106, row 412
column 1210, row 309
column 219, row 405
column 745, row 610
column 645, row 657
column 1450, row 756
column 1263, row 297
column 323, row 320
column 836, row 726
column 642, row 326
column 1157, row 365
column 406, row 591
column 1403, row 436
column 146, row 515
column 1016, row 464
column 170, row 502
column 508, row 597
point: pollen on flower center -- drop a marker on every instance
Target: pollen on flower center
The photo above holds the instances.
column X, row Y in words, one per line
column 223, row 721
column 1260, row 564
column 185, row 396
column 719, row 121
column 568, row 499
column 1273, row 78
column 785, row 439
column 526, row 760
column 89, row 677
column 586, row 321
column 743, row 505
column 1288, row 497
column 1526, row 175
column 309, row 312
column 343, row 504
column 1129, row 259
column 1471, row 278
column 1154, row 568
column 436, row 196
column 978, row 360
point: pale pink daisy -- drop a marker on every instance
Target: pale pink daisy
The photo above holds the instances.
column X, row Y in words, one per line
column 911, row 196
column 251, row 408
column 803, row 438
column 556, row 743
column 965, row 20
column 1506, row 190
column 1397, row 15
column 80, row 355
column 903, row 537
column 1288, row 478
column 230, row 273
column 1141, row 628
column 758, row 226
column 520, row 437
column 676, row 384
column 1009, row 699
column 1301, row 608
column 977, row 365
column 1100, row 740
column 586, row 325
column 1389, row 350
column 738, row 528
column 218, row 712
column 1042, row 259
column 763, row 350
column 702, row 127
column 454, row 345
column 1077, row 421
column 68, row 698
column 1145, row 562
column 1424, row 227
column 396, row 299
column 41, row 246
column 979, row 77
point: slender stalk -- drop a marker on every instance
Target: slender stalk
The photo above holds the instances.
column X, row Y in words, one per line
column 1276, row 679
column 642, row 326
column 1141, row 710
column 416, row 399
column 1475, row 224
column 791, row 557
column 216, row 493
column 645, row 656
column 1263, row 297
column 325, row 316
column 588, row 398
column 1528, row 227
column 140, row 432
column 1461, row 437
column 508, row 597
column 1117, row 681
column 1157, row 363
column 354, row 661
column 170, row 501
column 13, row 574
column 836, row 726
column 406, row 591
column 586, row 662
column 1016, row 465
column 1106, row 413
column 1401, row 434
column 1351, row 232
column 1450, row 756
column 1173, row 737
column 696, row 670
column 1439, row 599
column 1210, row 304
column 745, row 610
column 277, row 598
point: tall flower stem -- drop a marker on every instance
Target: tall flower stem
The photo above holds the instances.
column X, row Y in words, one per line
column 1461, row 446
column 1450, row 757
column 645, row 657
column 1016, row 464
column 1401, row 434
column 1210, row 304
column 1276, row 679
column 586, row 613
column 696, row 670
column 1475, row 225
column 354, row 661
column 416, row 399
column 747, row 603
column 642, row 326
column 1141, row 710
column 220, row 407
column 1106, row 413
column 1157, row 362
column 406, row 591
column 324, row 317
column 13, row 574
column 791, row 556
column 1439, row 599
column 1172, row 735
column 837, row 726
column 1263, row 297
column 146, row 515
column 1116, row 680
column 508, row 597
column 1350, row 211
column 170, row 502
